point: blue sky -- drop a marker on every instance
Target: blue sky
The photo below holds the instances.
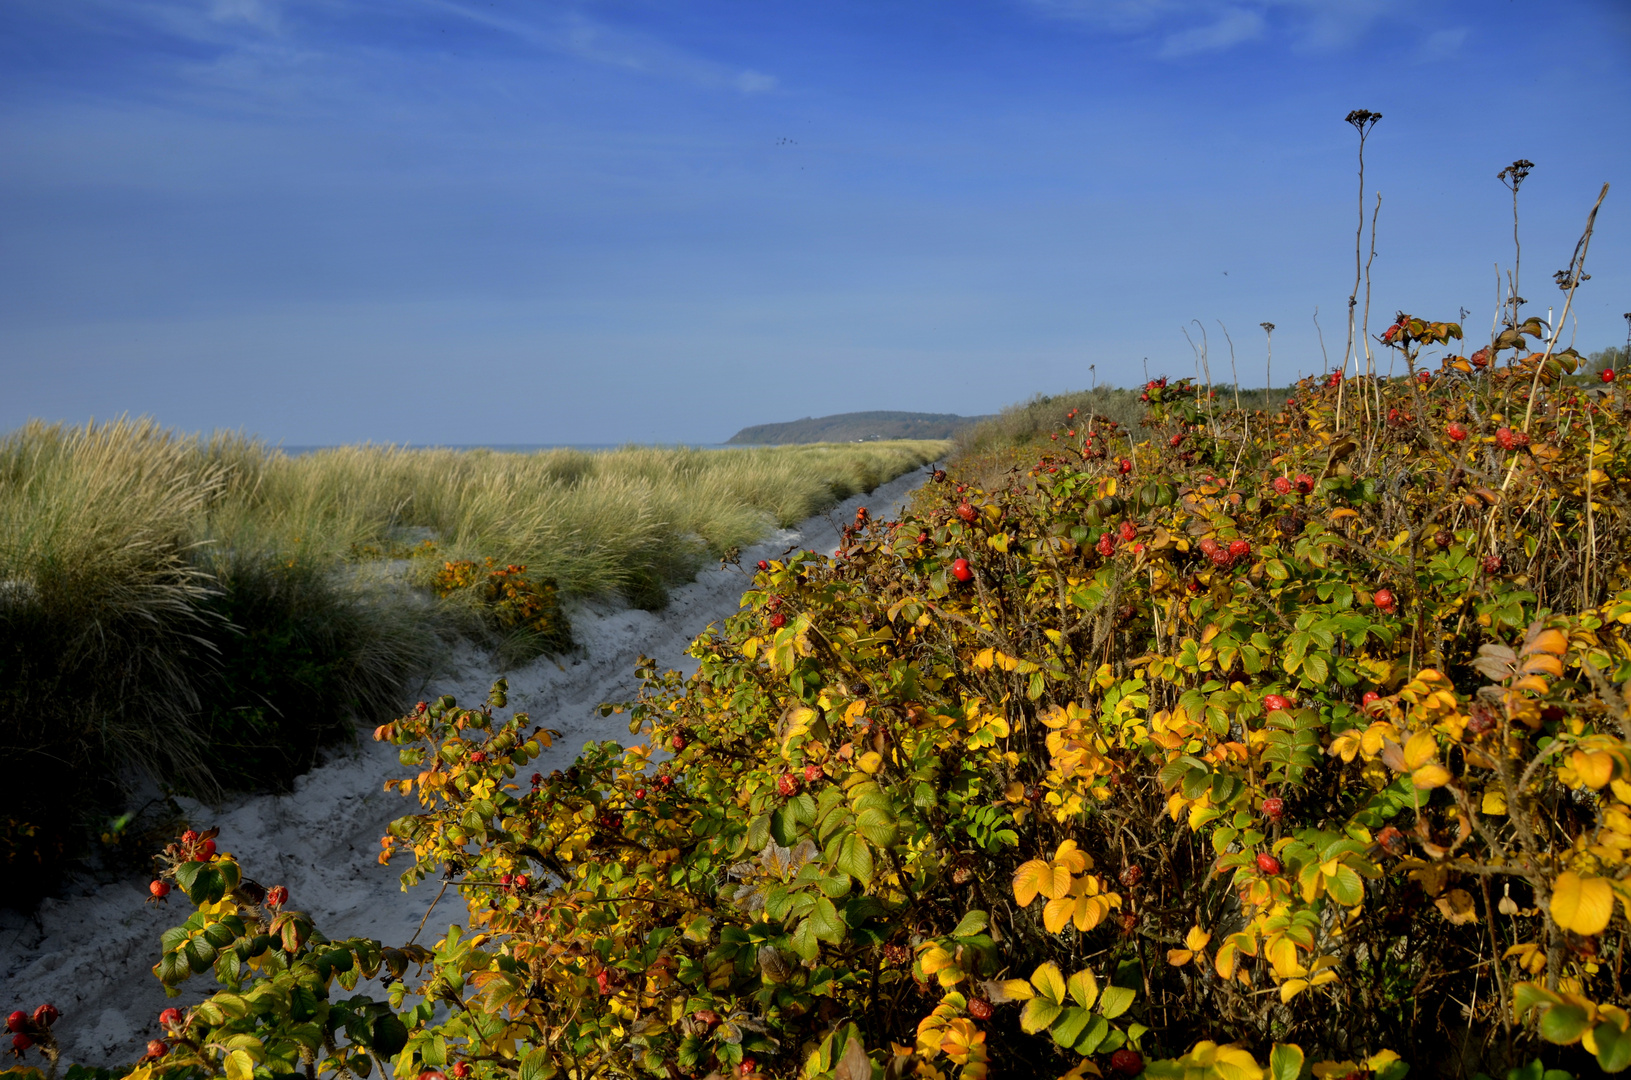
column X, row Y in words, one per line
column 464, row 221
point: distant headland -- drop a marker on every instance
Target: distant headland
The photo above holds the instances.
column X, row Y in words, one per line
column 856, row 427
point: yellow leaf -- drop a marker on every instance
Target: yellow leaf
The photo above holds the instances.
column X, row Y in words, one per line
column 1595, row 769
column 1419, row 750
column 871, row 762
column 1494, row 801
column 1179, row 957
column 1008, row 990
column 1072, row 857
column 1036, row 877
column 240, row 1066
column 936, row 959
column 1430, row 776
column 985, row 658
column 1084, row 988
column 1543, row 663
column 1050, row 981
column 1582, row 904
column 1197, row 938
column 1291, row 988
column 1057, row 914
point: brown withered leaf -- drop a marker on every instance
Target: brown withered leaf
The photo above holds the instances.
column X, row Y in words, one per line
column 1495, row 662
column 1457, row 907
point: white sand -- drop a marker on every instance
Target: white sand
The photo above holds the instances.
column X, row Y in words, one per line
column 91, row 950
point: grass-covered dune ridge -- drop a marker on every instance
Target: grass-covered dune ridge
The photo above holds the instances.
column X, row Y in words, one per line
column 209, row 610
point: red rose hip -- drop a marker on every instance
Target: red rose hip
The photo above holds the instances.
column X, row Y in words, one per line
column 960, row 570
column 1268, row 864
column 1274, row 808
column 1276, row 703
column 17, row 1021
column 1127, row 1062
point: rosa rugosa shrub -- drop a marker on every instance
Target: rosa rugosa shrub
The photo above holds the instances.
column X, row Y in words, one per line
column 1194, row 794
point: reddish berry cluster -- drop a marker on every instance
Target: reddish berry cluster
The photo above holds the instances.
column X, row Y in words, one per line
column 1224, row 557
column 1510, row 440
column 26, row 1030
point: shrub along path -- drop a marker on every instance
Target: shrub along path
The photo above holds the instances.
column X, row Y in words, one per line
column 91, row 951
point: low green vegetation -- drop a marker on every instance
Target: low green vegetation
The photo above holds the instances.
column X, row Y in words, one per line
column 210, row 611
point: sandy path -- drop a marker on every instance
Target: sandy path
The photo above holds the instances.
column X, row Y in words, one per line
column 91, row 951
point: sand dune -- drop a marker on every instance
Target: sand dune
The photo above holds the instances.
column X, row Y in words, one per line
column 91, row 950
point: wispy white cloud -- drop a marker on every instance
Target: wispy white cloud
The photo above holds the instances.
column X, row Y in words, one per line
column 573, row 33
column 1178, row 28
column 1441, row 45
column 1232, row 27
column 254, row 44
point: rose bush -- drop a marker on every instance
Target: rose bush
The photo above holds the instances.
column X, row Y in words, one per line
column 1285, row 748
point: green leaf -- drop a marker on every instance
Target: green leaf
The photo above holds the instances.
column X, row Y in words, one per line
column 834, row 885
column 1286, row 1062
column 1563, row 1024
column 1093, row 1038
column 1345, row 887
column 825, row 922
column 1115, row 1000
column 855, row 858
column 1038, row 1013
column 536, row 1065
column 1613, row 1047
column 877, row 826
column 973, row 923
column 200, row 954
column 803, row 941
column 1069, row 1027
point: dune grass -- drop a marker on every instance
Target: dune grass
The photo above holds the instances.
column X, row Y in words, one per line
column 209, row 611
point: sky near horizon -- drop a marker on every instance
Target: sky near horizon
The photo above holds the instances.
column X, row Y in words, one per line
column 463, row 221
